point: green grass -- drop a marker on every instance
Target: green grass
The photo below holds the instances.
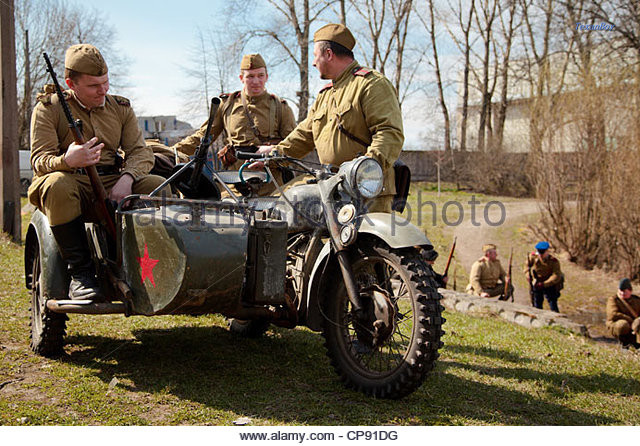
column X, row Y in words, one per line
column 183, row 370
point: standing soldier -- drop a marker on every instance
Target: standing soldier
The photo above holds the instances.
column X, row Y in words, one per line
column 622, row 315
column 61, row 188
column 544, row 277
column 250, row 117
column 357, row 113
column 487, row 276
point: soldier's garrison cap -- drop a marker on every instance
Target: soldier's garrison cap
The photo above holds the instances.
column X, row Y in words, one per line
column 335, row 32
column 542, row 246
column 488, row 246
column 252, row 61
column 86, row 59
column 625, row 284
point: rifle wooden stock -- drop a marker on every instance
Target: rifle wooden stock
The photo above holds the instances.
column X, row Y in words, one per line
column 96, row 184
column 453, row 248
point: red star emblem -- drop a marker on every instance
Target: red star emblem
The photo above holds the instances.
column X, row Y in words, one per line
column 146, row 266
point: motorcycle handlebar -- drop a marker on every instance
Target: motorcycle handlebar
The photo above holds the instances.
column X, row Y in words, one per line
column 249, row 155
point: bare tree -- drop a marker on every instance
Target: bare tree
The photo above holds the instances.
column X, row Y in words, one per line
column 464, row 44
column 383, row 26
column 508, row 29
column 212, row 62
column 429, row 24
column 484, row 21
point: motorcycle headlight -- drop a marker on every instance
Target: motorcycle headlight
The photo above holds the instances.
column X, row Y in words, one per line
column 364, row 176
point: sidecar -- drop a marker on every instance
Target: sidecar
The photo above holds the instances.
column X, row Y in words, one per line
column 171, row 256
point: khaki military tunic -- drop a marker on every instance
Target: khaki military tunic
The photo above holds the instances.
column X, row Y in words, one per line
column 56, row 189
column 484, row 277
column 546, row 270
column 272, row 117
column 274, row 122
column 619, row 317
column 366, row 104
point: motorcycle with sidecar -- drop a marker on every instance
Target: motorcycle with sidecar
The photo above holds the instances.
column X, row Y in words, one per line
column 309, row 256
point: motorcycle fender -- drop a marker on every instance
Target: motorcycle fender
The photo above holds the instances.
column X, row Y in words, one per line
column 314, row 313
column 55, row 279
column 394, row 230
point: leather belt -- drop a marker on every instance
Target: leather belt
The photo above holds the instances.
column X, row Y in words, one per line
column 102, row 170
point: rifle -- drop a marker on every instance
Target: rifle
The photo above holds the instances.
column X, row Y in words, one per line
column 197, row 163
column 455, row 280
column 105, row 208
column 453, row 248
column 530, row 279
column 507, row 280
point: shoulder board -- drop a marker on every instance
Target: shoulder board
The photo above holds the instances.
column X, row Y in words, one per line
column 362, row 71
column 45, row 98
column 229, row 95
column 122, row 101
column 326, row 87
column 47, row 94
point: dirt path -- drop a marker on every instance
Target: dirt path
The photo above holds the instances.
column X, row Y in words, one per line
column 471, row 237
column 584, row 297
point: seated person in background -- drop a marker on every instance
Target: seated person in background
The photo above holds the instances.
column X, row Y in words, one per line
column 622, row 315
column 487, row 275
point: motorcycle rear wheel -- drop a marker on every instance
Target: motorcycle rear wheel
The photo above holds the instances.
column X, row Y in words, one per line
column 47, row 328
column 399, row 365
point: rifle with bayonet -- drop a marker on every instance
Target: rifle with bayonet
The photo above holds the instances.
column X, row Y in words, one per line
column 507, row 280
column 105, row 208
column 446, row 268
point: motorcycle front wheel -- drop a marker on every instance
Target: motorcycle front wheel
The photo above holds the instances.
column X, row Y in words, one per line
column 392, row 362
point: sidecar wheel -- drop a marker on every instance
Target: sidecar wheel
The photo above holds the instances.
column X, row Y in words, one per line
column 248, row 329
column 47, row 328
column 395, row 361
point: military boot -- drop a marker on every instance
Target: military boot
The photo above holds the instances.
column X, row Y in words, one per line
column 74, row 249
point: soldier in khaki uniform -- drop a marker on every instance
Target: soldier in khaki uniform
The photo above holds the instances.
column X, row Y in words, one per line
column 487, row 276
column 250, row 117
column 545, row 277
column 60, row 188
column 358, row 113
column 622, row 315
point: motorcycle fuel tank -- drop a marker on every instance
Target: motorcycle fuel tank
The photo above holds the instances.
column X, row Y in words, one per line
column 181, row 260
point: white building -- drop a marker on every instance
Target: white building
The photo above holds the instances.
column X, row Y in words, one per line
column 167, row 129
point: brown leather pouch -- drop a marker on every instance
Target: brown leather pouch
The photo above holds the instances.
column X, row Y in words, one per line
column 227, row 155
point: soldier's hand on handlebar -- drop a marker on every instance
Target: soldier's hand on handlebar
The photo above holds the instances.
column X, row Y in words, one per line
column 262, row 150
column 87, row 154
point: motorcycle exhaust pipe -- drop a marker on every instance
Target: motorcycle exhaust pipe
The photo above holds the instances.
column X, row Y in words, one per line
column 85, row 307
